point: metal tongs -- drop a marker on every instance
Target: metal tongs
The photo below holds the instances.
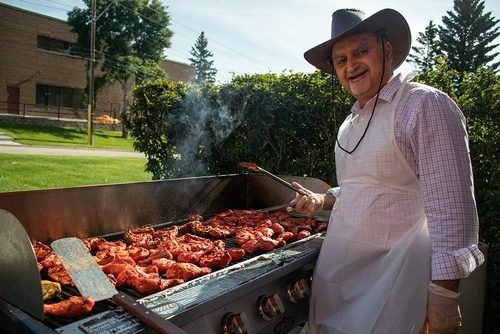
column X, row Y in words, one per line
column 255, row 168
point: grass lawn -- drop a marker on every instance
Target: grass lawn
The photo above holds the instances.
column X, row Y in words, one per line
column 30, row 172
column 67, row 137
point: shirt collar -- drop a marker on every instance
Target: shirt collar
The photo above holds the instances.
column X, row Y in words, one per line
column 386, row 94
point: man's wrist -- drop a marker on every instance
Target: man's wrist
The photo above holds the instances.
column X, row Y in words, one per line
column 452, row 285
column 328, row 201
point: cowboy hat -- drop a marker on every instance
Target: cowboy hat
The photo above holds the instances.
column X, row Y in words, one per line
column 346, row 22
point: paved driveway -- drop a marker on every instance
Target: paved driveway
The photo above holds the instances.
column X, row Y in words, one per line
column 7, row 145
column 9, row 149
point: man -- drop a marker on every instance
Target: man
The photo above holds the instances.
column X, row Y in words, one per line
column 404, row 228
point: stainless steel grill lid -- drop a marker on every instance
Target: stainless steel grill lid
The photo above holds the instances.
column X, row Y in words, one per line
column 20, row 283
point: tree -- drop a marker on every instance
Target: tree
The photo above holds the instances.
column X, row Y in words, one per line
column 131, row 36
column 205, row 70
column 425, row 55
column 467, row 35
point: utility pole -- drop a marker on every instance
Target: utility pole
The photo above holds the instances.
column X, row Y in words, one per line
column 90, row 109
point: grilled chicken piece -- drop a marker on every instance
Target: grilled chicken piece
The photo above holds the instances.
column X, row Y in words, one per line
column 160, row 253
column 216, row 259
column 59, row 274
column 116, row 267
column 111, row 245
column 51, row 260
column 191, row 257
column 277, row 228
column 146, row 285
column 138, row 253
column 107, row 255
column 167, row 234
column 41, row 250
column 303, row 234
column 93, row 243
column 145, row 240
column 170, row 282
column 261, row 243
column 266, row 244
column 220, row 233
column 244, row 234
column 162, row 264
column 321, row 227
column 186, row 271
column 198, row 228
column 236, row 254
column 141, row 280
column 172, row 246
column 195, row 243
column 266, row 231
column 287, row 236
column 250, row 246
column 75, row 306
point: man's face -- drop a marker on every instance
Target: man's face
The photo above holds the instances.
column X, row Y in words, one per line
column 358, row 62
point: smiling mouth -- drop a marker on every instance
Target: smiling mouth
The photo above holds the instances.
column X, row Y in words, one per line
column 357, row 75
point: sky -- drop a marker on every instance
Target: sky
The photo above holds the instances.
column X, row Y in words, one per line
column 264, row 36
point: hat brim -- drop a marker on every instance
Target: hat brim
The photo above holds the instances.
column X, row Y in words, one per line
column 390, row 21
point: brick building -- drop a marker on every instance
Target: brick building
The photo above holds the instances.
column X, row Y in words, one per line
column 42, row 74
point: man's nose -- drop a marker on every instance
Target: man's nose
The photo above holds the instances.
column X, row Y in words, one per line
column 351, row 64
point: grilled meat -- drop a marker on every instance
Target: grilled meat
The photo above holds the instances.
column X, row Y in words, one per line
column 41, row 250
column 114, row 268
column 162, row 264
column 139, row 279
column 216, row 259
column 186, row 271
column 152, row 260
column 236, row 254
column 191, row 257
column 59, row 274
column 75, row 306
column 303, row 234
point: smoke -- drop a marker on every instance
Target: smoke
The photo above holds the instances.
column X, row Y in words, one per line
column 200, row 127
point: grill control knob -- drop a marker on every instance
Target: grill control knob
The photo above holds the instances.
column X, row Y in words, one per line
column 270, row 306
column 298, row 290
column 235, row 323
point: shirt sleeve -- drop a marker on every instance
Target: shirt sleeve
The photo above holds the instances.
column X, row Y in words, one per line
column 445, row 174
column 335, row 192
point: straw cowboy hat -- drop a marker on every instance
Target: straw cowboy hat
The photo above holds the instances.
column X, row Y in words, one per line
column 346, row 22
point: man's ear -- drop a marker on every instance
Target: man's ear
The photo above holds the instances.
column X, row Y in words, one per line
column 388, row 50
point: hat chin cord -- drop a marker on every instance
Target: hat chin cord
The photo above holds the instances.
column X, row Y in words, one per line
column 374, row 105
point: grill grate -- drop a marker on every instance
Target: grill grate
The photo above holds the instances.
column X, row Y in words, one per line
column 244, row 276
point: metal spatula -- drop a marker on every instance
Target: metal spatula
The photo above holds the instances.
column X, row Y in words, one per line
column 91, row 281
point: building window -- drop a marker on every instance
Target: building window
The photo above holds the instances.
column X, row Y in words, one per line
column 55, row 45
column 55, row 96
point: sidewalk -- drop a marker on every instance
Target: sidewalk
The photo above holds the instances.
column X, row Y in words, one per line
column 7, row 145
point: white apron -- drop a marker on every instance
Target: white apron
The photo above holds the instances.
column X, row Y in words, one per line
column 374, row 266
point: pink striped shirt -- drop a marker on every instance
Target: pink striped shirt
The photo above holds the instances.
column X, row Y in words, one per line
column 431, row 134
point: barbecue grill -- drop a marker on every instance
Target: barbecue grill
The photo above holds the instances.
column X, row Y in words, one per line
column 265, row 293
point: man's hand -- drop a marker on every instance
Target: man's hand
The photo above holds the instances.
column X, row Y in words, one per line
column 312, row 202
column 443, row 312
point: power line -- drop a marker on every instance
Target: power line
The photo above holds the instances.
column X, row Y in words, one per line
column 197, row 32
column 40, row 5
column 221, row 44
column 233, row 50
